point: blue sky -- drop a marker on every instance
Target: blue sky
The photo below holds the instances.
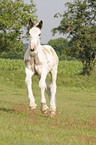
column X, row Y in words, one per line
column 46, row 9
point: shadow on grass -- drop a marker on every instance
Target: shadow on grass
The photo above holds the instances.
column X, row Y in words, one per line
column 7, row 110
column 16, row 108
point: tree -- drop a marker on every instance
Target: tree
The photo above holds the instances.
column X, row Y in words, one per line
column 14, row 17
column 60, row 45
column 79, row 23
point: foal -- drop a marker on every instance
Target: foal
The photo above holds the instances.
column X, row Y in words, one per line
column 40, row 60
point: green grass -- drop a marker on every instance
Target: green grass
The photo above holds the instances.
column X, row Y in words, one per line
column 75, row 121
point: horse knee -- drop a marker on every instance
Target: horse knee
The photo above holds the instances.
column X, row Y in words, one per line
column 42, row 84
column 27, row 80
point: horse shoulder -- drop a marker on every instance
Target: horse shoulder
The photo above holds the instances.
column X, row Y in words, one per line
column 27, row 55
column 50, row 52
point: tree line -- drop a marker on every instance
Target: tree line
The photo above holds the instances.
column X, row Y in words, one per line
column 78, row 22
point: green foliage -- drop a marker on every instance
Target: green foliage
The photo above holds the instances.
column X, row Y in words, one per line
column 14, row 16
column 60, row 45
column 75, row 121
column 79, row 23
column 12, row 55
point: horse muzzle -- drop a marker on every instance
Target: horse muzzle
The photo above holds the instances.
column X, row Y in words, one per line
column 31, row 48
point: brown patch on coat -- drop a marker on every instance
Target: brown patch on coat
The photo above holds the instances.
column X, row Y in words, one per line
column 45, row 49
column 30, row 64
column 40, row 25
column 31, row 24
column 36, row 60
column 52, row 51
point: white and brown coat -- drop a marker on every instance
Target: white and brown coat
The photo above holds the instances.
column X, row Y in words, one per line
column 40, row 59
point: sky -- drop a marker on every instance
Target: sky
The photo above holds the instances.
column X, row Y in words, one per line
column 46, row 9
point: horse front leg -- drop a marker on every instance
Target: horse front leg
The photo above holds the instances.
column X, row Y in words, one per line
column 42, row 86
column 28, row 81
column 53, row 92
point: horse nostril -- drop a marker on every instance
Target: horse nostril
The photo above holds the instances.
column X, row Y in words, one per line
column 31, row 49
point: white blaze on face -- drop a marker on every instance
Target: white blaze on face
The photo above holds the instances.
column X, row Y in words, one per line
column 34, row 32
column 34, row 40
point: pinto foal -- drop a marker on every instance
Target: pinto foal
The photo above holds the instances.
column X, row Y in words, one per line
column 40, row 60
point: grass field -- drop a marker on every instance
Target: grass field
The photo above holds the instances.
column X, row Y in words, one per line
column 75, row 121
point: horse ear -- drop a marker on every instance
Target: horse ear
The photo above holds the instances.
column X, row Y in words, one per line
column 40, row 25
column 31, row 24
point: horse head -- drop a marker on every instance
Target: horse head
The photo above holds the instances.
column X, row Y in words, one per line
column 35, row 31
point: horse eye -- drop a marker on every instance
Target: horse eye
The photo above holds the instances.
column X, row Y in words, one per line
column 39, row 35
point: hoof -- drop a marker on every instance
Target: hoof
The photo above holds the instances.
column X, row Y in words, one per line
column 44, row 111
column 44, row 108
column 52, row 113
column 33, row 106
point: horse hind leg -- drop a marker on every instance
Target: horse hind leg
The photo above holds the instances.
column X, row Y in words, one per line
column 48, row 90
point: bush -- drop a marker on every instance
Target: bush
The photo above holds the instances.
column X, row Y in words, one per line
column 12, row 55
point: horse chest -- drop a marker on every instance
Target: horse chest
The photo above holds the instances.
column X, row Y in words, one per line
column 40, row 63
